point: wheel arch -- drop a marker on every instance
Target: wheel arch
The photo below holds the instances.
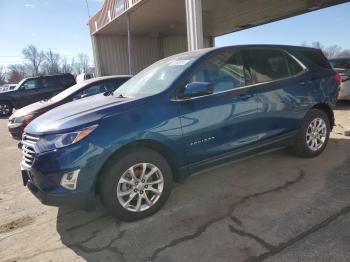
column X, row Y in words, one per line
column 328, row 110
column 8, row 100
column 160, row 148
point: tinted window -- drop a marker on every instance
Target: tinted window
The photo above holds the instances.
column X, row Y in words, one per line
column 92, row 90
column 269, row 65
column 114, row 84
column 52, row 82
column 30, row 84
column 224, row 71
column 293, row 66
column 316, row 57
column 67, row 81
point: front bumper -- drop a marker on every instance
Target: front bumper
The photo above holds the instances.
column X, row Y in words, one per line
column 43, row 177
column 61, row 199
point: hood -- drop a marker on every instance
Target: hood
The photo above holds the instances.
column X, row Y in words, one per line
column 6, row 90
column 36, row 107
column 73, row 115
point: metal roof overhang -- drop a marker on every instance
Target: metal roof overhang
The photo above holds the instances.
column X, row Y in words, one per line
column 168, row 17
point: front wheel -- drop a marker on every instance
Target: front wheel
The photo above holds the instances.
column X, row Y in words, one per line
column 5, row 109
column 313, row 134
column 136, row 185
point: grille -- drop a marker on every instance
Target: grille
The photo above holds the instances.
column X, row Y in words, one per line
column 28, row 151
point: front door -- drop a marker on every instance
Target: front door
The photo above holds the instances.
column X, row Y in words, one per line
column 218, row 123
column 29, row 92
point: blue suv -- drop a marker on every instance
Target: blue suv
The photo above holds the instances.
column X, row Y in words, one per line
column 181, row 114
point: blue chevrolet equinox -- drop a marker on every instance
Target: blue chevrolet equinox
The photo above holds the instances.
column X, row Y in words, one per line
column 184, row 113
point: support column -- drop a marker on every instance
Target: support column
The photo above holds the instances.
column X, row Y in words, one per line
column 129, row 46
column 96, row 52
column 194, row 24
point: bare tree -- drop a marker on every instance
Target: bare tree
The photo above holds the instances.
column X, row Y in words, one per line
column 332, row 51
column 344, row 53
column 83, row 61
column 34, row 57
column 16, row 73
column 2, row 75
column 65, row 66
column 52, row 61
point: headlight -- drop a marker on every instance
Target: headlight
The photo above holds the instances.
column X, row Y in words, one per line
column 21, row 119
column 52, row 142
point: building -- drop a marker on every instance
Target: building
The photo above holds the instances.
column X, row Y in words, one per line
column 129, row 35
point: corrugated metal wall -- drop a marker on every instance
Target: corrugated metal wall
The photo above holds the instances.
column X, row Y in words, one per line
column 111, row 52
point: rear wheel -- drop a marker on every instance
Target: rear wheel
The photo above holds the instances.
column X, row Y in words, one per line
column 313, row 135
column 136, row 185
column 5, row 108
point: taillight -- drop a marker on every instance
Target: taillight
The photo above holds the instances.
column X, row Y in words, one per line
column 337, row 78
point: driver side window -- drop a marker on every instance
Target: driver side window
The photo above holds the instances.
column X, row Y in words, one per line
column 224, row 71
column 30, row 84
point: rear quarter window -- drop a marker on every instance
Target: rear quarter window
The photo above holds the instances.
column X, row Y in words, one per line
column 316, row 57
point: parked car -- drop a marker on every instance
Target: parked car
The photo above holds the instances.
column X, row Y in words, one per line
column 342, row 66
column 21, row 118
column 180, row 115
column 33, row 89
column 82, row 77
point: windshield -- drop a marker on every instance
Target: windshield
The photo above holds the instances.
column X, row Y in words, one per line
column 21, row 82
column 157, row 77
column 69, row 91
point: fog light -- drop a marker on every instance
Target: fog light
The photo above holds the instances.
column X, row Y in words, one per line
column 70, row 179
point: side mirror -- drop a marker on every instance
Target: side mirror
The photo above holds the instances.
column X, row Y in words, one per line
column 195, row 89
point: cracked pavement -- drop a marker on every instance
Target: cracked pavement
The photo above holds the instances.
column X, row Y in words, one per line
column 271, row 207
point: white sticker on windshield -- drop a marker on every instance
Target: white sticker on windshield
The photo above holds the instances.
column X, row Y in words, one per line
column 179, row 62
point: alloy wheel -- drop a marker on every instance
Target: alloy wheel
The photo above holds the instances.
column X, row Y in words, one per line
column 140, row 187
column 4, row 109
column 316, row 134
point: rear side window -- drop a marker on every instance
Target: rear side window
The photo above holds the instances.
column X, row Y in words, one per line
column 67, row 80
column 92, row 90
column 52, row 82
column 269, row 65
column 225, row 71
column 114, row 84
column 316, row 57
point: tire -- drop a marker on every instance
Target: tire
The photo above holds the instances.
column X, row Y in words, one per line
column 308, row 142
column 113, row 186
column 5, row 108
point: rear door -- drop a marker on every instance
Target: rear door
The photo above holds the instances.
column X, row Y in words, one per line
column 51, row 86
column 223, row 121
column 280, row 81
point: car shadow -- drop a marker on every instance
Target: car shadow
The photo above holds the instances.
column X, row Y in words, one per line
column 97, row 236
column 343, row 105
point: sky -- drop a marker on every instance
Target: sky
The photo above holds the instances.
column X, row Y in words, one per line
column 62, row 26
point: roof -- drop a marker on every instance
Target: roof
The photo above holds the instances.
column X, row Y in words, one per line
column 92, row 80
